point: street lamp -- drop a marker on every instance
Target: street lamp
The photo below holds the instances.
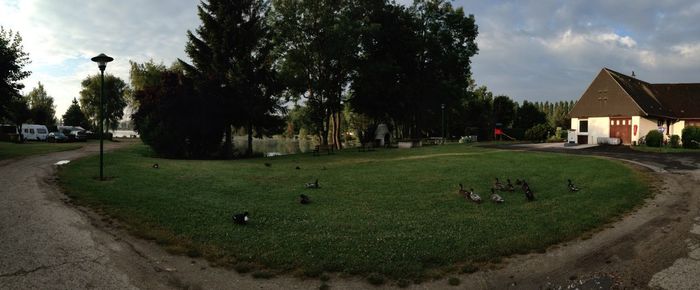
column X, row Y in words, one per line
column 102, row 61
column 442, row 106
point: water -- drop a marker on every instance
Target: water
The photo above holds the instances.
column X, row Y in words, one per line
column 124, row 134
column 275, row 146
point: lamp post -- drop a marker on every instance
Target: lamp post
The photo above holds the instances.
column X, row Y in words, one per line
column 442, row 106
column 102, row 61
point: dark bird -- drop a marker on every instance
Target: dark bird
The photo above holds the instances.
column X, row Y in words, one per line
column 509, row 186
column 313, row 184
column 529, row 194
column 495, row 197
column 304, row 199
column 241, row 218
column 268, row 164
column 518, row 182
column 297, row 168
column 473, row 196
column 155, row 165
column 572, row 187
column 463, row 192
column 524, row 185
column 497, row 184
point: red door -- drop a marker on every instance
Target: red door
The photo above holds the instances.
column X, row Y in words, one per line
column 621, row 128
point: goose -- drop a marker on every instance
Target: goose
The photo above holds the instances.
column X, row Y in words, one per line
column 241, row 218
column 497, row 184
column 155, row 166
column 572, row 187
column 313, row 184
column 304, row 199
column 509, row 186
column 495, row 197
column 473, row 196
column 462, row 191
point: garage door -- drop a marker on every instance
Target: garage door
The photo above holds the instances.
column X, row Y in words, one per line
column 621, row 128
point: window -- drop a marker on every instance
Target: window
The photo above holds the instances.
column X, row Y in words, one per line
column 41, row 131
column 583, row 126
column 612, row 122
column 31, row 131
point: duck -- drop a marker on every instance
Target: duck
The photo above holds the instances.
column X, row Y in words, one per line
column 241, row 218
column 473, row 196
column 572, row 187
column 497, row 184
column 518, row 182
column 524, row 185
column 509, row 186
column 268, row 164
column 298, row 168
column 155, row 166
column 313, row 184
column 495, row 197
column 529, row 194
column 462, row 191
column 304, row 199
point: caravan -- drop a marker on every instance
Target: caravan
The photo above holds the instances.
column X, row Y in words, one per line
column 34, row 132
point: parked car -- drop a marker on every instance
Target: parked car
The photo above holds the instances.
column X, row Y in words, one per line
column 57, row 137
column 77, row 135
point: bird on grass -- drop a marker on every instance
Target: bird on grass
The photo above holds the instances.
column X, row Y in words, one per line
column 155, row 166
column 509, row 186
column 518, row 182
column 304, row 199
column 497, row 184
column 524, row 185
column 297, row 168
column 313, row 184
column 268, row 164
column 495, row 197
column 529, row 194
column 241, row 218
column 463, row 192
column 473, row 196
column 572, row 187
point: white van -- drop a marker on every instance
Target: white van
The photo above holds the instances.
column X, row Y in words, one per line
column 34, row 132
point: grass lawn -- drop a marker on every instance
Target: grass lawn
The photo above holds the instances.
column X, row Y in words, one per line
column 11, row 150
column 664, row 149
column 389, row 213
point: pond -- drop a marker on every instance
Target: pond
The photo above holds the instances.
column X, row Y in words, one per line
column 275, row 146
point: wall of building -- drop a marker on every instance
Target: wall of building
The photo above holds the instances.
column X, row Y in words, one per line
column 646, row 125
column 597, row 127
column 677, row 128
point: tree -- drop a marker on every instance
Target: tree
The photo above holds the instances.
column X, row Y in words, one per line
column 529, row 115
column 173, row 119
column 74, row 116
column 41, row 107
column 19, row 113
column 115, row 90
column 232, row 60
column 318, row 41
column 504, row 110
column 12, row 63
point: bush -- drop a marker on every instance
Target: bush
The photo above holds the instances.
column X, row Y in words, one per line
column 675, row 141
column 691, row 137
column 654, row 138
column 539, row 132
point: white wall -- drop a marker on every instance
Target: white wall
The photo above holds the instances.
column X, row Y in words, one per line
column 677, row 128
column 646, row 125
column 598, row 127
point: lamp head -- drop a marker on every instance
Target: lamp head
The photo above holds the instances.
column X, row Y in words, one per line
column 102, row 61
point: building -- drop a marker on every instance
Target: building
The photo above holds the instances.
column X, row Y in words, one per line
column 620, row 106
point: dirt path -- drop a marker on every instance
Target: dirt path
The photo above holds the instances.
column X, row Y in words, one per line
column 48, row 243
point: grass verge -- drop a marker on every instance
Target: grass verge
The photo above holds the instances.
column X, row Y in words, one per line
column 13, row 150
column 388, row 213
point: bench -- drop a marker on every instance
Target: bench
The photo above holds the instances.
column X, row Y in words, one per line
column 323, row 148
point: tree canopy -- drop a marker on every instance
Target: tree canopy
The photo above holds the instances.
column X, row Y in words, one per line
column 12, row 62
column 115, row 90
column 74, row 116
column 41, row 107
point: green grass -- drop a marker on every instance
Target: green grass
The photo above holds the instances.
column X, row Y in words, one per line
column 12, row 150
column 388, row 213
column 664, row 149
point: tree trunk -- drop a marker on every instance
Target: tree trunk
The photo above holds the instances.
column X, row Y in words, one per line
column 249, row 128
column 336, row 130
column 228, row 146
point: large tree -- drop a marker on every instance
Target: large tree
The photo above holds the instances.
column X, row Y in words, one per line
column 41, row 107
column 12, row 63
column 115, row 90
column 74, row 116
column 232, row 60
column 318, row 41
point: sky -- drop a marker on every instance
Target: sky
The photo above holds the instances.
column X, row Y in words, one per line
column 536, row 50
